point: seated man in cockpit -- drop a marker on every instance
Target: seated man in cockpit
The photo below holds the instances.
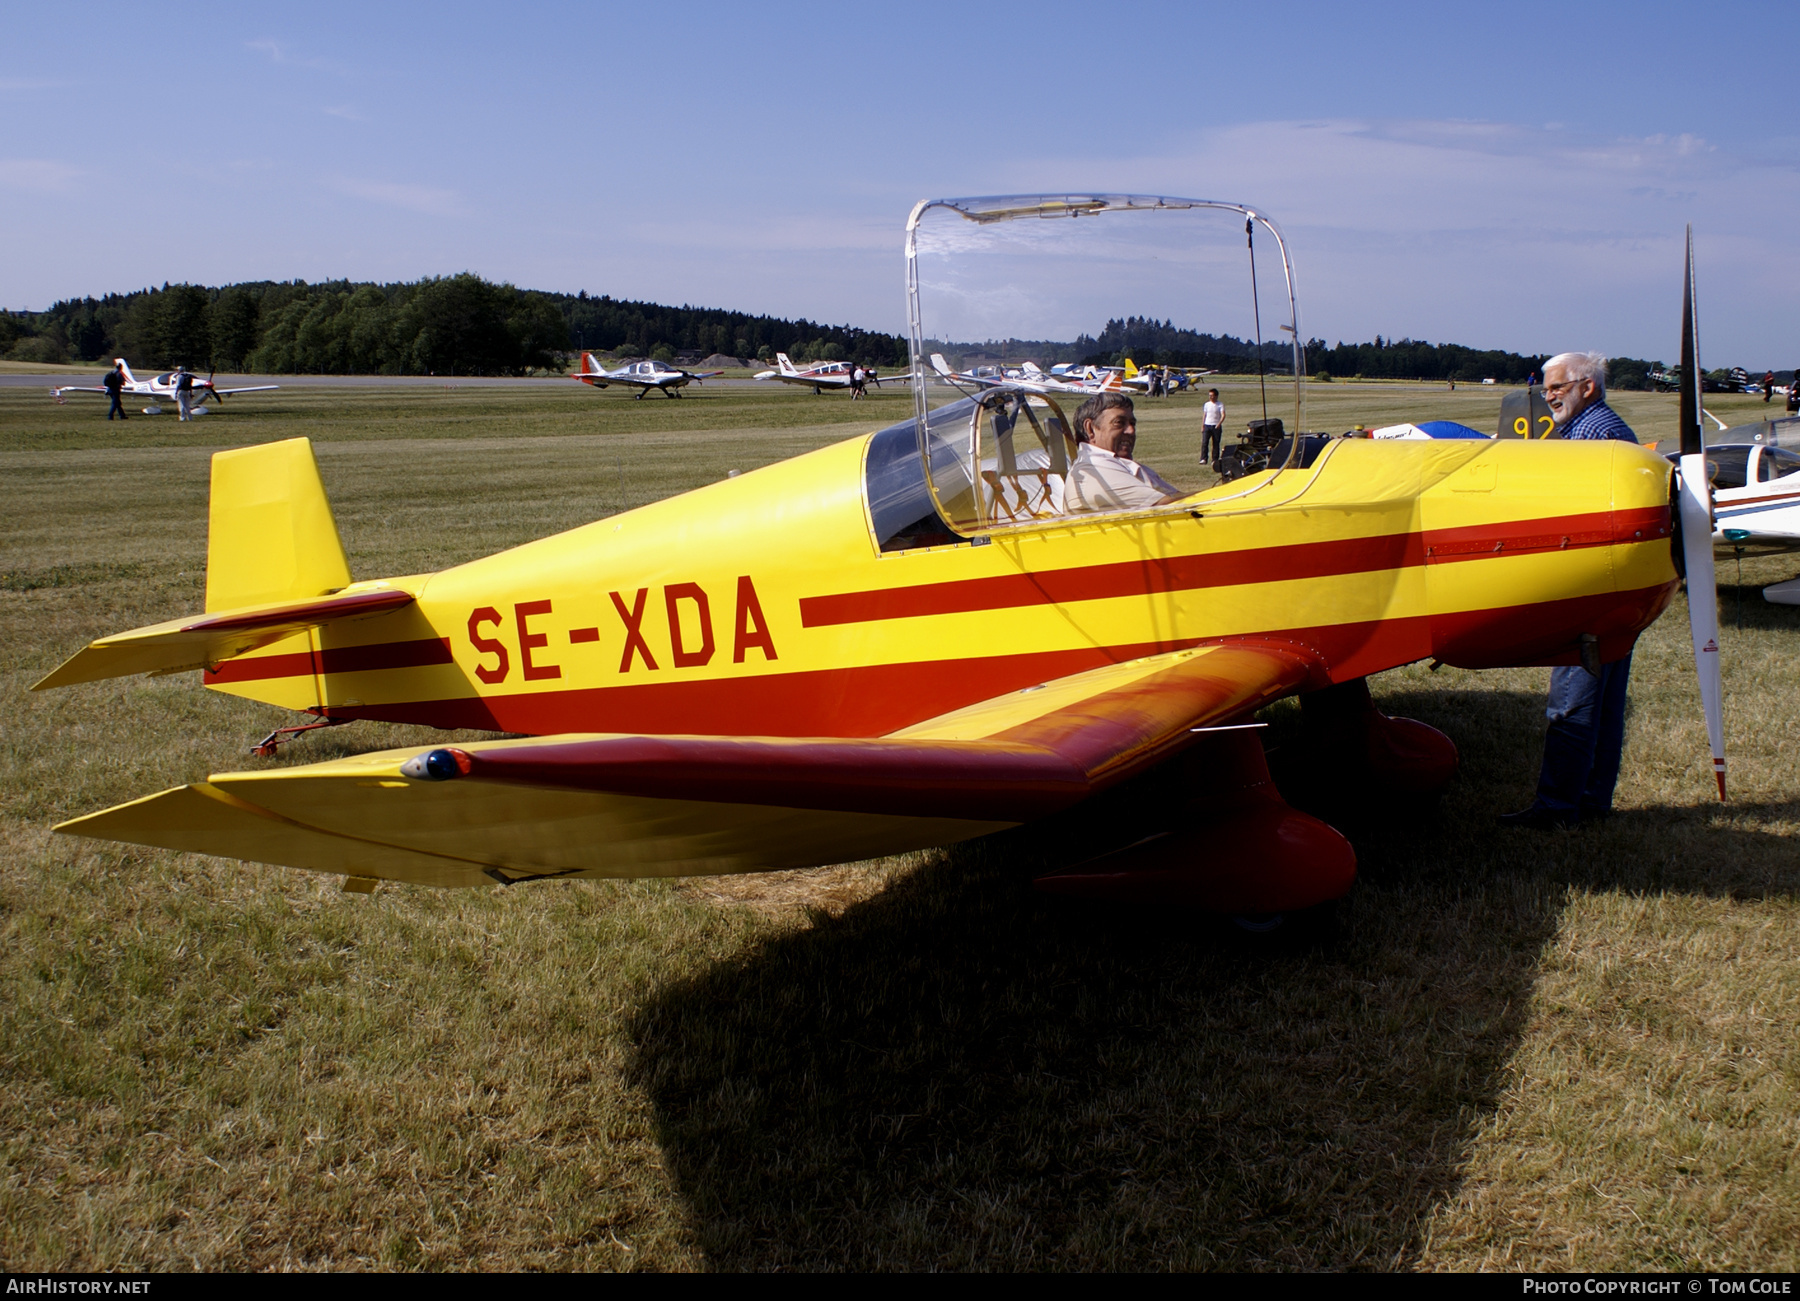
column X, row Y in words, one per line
column 1104, row 477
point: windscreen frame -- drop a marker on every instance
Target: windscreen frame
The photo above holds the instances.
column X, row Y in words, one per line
column 986, row 210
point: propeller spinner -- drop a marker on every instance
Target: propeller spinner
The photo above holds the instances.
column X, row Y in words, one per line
column 1697, row 529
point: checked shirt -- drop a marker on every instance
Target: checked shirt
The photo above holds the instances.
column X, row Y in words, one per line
column 1599, row 421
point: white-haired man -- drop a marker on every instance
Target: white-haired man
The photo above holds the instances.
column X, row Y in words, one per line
column 1586, row 734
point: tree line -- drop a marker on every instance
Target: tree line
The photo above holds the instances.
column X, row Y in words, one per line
column 444, row 325
column 1148, row 340
column 463, row 325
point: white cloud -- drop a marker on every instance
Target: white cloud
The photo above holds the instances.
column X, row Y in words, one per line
column 396, row 194
column 38, row 175
column 281, row 54
column 1498, row 235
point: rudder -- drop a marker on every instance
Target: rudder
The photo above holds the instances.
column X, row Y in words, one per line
column 270, row 531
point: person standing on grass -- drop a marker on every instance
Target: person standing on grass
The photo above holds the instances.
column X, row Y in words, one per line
column 1212, row 429
column 114, row 384
column 1768, row 384
column 184, row 395
column 1585, row 738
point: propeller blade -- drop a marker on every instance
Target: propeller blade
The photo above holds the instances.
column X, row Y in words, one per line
column 1697, row 530
column 1693, row 438
column 1703, row 601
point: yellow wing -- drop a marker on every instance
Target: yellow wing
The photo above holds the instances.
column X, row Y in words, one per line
column 605, row 805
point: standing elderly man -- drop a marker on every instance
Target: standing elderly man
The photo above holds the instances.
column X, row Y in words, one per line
column 1104, row 477
column 1586, row 711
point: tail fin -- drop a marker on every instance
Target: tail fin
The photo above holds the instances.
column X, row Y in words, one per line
column 1131, row 370
column 938, row 364
column 270, row 533
column 588, row 365
column 126, row 367
column 787, row 367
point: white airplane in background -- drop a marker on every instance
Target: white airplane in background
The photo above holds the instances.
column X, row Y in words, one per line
column 161, row 388
column 1130, row 376
column 1027, row 375
column 820, row 375
column 643, row 375
column 1755, row 473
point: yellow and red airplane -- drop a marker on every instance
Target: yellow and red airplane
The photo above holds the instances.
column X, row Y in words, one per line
column 856, row 653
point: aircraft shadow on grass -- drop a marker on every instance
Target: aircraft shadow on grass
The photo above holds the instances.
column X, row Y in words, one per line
column 962, row 1072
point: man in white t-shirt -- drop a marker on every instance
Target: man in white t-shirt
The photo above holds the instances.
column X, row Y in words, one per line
column 1212, row 429
column 1104, row 477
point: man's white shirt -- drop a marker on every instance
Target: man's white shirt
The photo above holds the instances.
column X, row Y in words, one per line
column 1101, row 481
column 1213, row 413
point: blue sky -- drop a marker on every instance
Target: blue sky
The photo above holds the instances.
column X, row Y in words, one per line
column 1509, row 176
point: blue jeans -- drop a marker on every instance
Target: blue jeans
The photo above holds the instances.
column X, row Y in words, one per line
column 1585, row 739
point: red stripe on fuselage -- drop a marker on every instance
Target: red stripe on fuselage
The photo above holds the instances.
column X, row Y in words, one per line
column 874, row 700
column 1306, row 560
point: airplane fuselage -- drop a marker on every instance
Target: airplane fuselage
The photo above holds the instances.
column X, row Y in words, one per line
column 1759, row 506
column 765, row 604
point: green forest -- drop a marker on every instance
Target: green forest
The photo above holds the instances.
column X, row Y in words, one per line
column 1147, row 340
column 450, row 325
column 465, row 325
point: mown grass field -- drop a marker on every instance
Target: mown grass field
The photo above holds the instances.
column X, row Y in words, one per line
column 1568, row 1051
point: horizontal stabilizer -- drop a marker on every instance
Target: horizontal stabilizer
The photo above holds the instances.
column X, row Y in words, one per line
column 203, row 641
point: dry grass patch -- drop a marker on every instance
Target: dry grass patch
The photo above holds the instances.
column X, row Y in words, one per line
column 827, row 890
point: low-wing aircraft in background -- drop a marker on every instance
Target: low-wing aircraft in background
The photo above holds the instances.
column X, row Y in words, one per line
column 1026, row 377
column 899, row 641
column 819, row 376
column 1128, row 376
column 161, row 388
column 641, row 375
column 1735, row 380
column 1755, row 475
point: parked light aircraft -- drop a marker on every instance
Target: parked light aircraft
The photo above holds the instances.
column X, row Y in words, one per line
column 895, row 642
column 1026, row 376
column 1127, row 376
column 819, row 376
column 161, row 388
column 1755, row 474
column 644, row 376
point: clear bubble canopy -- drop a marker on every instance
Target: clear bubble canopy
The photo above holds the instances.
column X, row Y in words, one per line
column 1019, row 306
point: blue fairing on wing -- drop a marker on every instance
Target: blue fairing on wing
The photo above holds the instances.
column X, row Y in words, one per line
column 1449, row 429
